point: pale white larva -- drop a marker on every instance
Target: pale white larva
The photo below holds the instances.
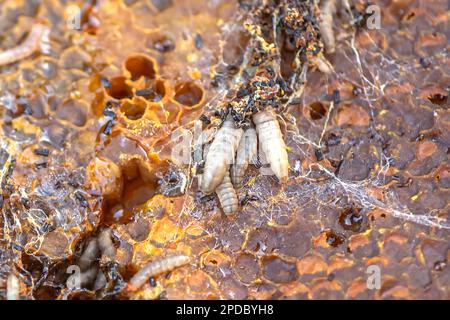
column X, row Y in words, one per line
column 220, row 155
column 32, row 43
column 106, row 244
column 227, row 196
column 327, row 9
column 100, row 281
column 271, row 142
column 87, row 277
column 155, row 268
column 12, row 288
column 90, row 254
column 322, row 64
column 246, row 153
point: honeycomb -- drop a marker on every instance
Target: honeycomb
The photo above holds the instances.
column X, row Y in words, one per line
column 88, row 179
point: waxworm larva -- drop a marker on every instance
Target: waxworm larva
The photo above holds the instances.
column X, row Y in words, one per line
column 327, row 9
column 271, row 142
column 106, row 244
column 323, row 65
column 31, row 44
column 227, row 196
column 205, row 153
column 88, row 277
column 247, row 150
column 12, row 288
column 90, row 254
column 100, row 281
column 220, row 155
column 155, row 268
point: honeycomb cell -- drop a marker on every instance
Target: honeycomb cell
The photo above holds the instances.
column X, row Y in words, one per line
column 56, row 135
column 188, row 94
column 55, row 245
column 324, row 289
column 247, row 268
column 317, row 110
column 133, row 109
column 438, row 99
column 358, row 289
column 155, row 92
column 74, row 111
column 37, row 106
column 75, row 58
column 80, row 295
column 137, row 192
column 166, row 114
column 121, row 146
column 138, row 230
column 425, row 149
column 163, row 44
column 443, row 176
column 46, row 292
column 119, row 89
column 162, row 5
column 333, row 239
column 233, row 290
column 311, row 264
column 352, row 115
column 140, row 66
column 352, row 219
column 140, row 183
column 215, row 261
column 104, row 177
column 172, row 183
column 277, row 270
column 165, row 231
column 392, row 289
column 234, row 50
column 203, row 285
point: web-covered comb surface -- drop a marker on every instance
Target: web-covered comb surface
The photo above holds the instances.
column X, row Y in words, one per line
column 86, row 145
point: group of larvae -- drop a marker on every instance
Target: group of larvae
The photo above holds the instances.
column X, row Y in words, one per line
column 101, row 249
column 233, row 149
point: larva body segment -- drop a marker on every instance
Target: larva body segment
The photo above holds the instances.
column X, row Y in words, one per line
column 155, row 268
column 31, row 44
column 90, row 254
column 106, row 244
column 100, row 281
column 246, row 152
column 227, row 196
column 220, row 155
column 87, row 277
column 271, row 142
column 323, row 65
column 327, row 9
column 12, row 288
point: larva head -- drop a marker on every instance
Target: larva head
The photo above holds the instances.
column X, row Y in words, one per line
column 264, row 116
column 229, row 123
column 229, row 210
